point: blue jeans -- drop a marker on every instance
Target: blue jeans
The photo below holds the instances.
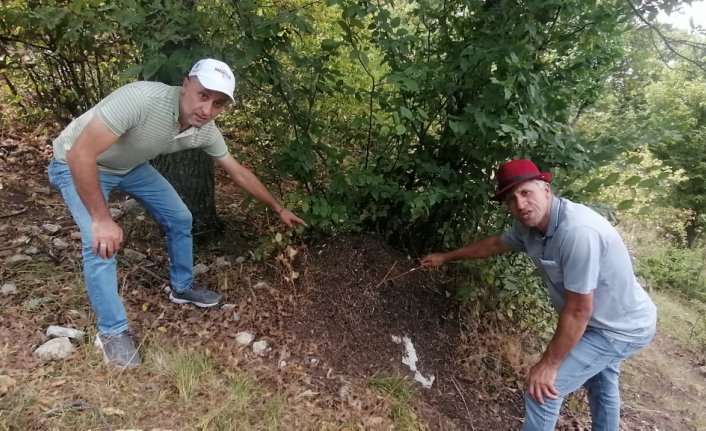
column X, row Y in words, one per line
column 154, row 193
column 595, row 364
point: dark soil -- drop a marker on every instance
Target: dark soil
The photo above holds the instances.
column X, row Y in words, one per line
column 350, row 296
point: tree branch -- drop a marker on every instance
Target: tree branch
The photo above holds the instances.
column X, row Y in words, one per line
column 665, row 39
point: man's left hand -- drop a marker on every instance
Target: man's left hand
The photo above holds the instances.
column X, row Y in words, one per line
column 289, row 218
column 540, row 381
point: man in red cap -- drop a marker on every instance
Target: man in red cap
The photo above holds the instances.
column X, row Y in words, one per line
column 605, row 316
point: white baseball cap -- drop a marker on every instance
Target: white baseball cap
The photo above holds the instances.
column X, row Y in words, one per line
column 214, row 75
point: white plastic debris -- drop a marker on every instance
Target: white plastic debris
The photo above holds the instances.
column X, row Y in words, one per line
column 410, row 359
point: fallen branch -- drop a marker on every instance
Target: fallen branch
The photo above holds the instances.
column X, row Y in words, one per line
column 385, row 280
column 460, row 393
column 18, row 212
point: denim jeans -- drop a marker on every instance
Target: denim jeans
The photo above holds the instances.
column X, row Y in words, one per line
column 154, row 193
column 595, row 364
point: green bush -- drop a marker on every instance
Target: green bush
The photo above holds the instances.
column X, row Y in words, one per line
column 676, row 269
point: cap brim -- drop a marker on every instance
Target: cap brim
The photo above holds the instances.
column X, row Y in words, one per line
column 500, row 194
column 211, row 85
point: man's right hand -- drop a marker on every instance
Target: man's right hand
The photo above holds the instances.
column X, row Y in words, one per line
column 433, row 260
column 107, row 238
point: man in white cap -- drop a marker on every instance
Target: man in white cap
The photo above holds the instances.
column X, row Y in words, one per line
column 110, row 147
column 605, row 316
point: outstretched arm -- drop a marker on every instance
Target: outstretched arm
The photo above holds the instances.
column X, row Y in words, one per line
column 480, row 249
column 82, row 160
column 245, row 179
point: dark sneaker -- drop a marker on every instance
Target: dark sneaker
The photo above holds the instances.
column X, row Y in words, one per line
column 197, row 295
column 118, row 349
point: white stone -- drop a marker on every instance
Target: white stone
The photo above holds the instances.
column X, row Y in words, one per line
column 61, row 331
column 200, row 269
column 51, row 228
column 244, row 338
column 228, row 306
column 8, row 289
column 56, row 348
column 259, row 347
column 260, row 285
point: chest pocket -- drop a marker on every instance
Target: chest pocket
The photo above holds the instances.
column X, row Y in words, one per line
column 552, row 271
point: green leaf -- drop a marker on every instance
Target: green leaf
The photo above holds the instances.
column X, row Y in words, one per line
column 406, row 113
column 626, row 204
column 633, row 180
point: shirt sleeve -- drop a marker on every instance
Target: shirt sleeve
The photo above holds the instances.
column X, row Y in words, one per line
column 122, row 109
column 580, row 256
column 513, row 238
column 216, row 146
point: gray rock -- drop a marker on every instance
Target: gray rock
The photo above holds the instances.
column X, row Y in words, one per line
column 36, row 302
column 60, row 244
column 200, row 269
column 31, row 250
column 116, row 213
column 61, row 331
column 259, row 347
column 51, row 228
column 133, row 255
column 261, row 285
column 17, row 258
column 220, row 263
column 8, row 289
column 56, row 348
column 41, row 190
column 244, row 338
column 24, row 239
column 130, row 205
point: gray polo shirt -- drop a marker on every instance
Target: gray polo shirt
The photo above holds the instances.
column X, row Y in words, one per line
column 145, row 116
column 583, row 253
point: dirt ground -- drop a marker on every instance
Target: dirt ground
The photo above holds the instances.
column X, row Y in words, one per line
column 352, row 294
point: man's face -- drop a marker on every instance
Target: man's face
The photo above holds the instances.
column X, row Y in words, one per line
column 530, row 203
column 199, row 105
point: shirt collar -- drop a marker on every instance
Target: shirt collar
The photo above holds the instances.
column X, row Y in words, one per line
column 175, row 105
column 553, row 216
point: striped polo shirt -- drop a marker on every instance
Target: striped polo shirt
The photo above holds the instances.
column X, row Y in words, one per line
column 583, row 253
column 145, row 116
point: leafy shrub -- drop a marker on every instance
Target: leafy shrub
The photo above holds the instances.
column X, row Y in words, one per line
column 677, row 269
column 509, row 289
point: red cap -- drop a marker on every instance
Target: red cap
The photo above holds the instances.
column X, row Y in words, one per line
column 516, row 172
